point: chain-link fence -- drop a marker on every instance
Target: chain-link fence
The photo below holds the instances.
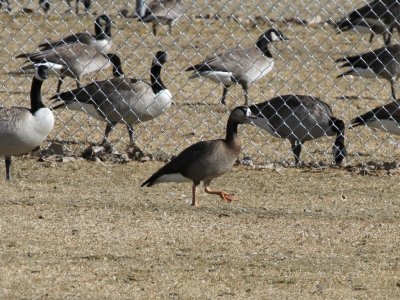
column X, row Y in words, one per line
column 193, row 31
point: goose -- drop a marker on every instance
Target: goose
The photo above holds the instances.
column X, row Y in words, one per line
column 386, row 118
column 102, row 36
column 377, row 17
column 371, row 26
column 23, row 129
column 383, row 62
column 205, row 160
column 72, row 60
column 238, row 65
column 86, row 4
column 121, row 100
column 165, row 12
column 299, row 119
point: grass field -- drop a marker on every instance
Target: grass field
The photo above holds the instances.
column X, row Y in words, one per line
column 84, row 229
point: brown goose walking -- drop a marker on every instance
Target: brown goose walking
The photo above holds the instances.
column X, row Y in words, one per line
column 206, row 160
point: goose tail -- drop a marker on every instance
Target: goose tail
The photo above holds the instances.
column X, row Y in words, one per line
column 62, row 100
column 358, row 121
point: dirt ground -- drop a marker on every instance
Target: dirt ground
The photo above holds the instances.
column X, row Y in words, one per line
column 85, row 229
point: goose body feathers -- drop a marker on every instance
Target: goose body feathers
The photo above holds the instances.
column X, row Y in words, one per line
column 385, row 118
column 117, row 100
column 72, row 60
column 239, row 65
column 376, row 17
column 101, row 38
column 299, row 119
column 165, row 12
column 383, row 62
column 21, row 130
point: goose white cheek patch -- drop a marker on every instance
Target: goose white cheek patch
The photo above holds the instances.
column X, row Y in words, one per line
column 53, row 68
column 274, row 37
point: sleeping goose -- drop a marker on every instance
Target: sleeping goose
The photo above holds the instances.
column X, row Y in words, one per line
column 205, row 160
column 165, row 12
column 23, row 129
column 300, row 119
column 377, row 17
column 121, row 100
column 239, row 65
column 72, row 60
column 102, row 36
column 383, row 62
column 386, row 118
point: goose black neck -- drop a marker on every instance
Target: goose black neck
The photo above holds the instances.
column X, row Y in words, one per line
column 262, row 44
column 101, row 34
column 36, row 95
column 156, row 84
column 231, row 130
column 107, row 30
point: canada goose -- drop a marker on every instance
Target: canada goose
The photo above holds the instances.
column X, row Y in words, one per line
column 238, row 65
column 73, row 60
column 205, row 160
column 377, row 17
column 165, row 12
column 86, row 4
column 121, row 100
column 299, row 119
column 386, row 118
column 23, row 129
column 383, row 62
column 371, row 26
column 102, row 36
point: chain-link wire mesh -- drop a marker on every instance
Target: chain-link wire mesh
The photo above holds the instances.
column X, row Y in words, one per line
column 192, row 31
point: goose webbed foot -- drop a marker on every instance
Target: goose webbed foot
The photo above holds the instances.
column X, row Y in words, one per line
column 224, row 195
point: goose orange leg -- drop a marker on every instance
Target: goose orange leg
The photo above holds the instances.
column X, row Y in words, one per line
column 224, row 195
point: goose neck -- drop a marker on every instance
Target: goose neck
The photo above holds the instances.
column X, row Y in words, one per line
column 262, row 45
column 101, row 34
column 156, row 83
column 231, row 131
column 36, row 95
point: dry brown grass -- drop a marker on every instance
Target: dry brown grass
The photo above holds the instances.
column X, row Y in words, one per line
column 86, row 230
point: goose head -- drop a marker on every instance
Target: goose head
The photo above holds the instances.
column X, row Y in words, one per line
column 271, row 35
column 102, row 27
column 160, row 58
column 42, row 72
column 242, row 115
